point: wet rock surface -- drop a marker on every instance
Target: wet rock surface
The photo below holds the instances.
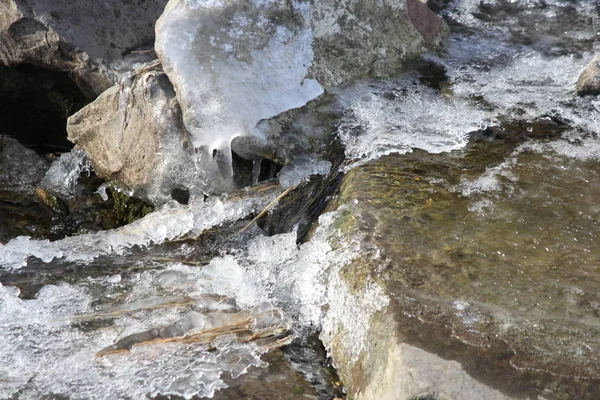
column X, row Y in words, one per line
column 488, row 271
column 21, row 169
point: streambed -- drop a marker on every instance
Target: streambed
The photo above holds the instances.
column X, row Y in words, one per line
column 504, row 162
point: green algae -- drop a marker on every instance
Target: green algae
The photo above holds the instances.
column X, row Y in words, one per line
column 128, row 209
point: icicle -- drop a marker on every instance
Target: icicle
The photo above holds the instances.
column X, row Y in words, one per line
column 256, row 170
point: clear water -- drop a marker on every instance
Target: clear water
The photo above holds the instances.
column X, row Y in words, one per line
column 50, row 341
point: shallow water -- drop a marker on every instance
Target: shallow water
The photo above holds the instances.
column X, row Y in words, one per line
column 531, row 203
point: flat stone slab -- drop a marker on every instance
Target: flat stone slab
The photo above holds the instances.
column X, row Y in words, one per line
column 488, row 264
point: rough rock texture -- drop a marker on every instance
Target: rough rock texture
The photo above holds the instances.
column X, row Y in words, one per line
column 234, row 63
column 21, row 169
column 86, row 38
column 494, row 302
column 135, row 136
column 369, row 38
column 589, row 80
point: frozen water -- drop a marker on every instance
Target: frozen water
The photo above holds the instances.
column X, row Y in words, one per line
column 301, row 169
column 233, row 75
column 492, row 74
column 384, row 118
column 52, row 340
column 171, row 221
column 49, row 351
column 14, row 253
column 62, row 176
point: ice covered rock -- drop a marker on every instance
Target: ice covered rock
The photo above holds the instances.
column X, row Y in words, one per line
column 135, row 137
column 64, row 172
column 589, row 80
column 234, row 63
column 89, row 39
column 301, row 169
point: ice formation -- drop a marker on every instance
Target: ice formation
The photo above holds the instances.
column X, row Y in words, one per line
column 489, row 77
column 62, row 176
column 233, row 66
column 50, row 349
column 301, row 169
column 384, row 118
column 171, row 221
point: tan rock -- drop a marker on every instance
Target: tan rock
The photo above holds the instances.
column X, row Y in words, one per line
column 589, row 80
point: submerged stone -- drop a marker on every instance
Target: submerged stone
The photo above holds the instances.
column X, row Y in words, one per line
column 489, row 272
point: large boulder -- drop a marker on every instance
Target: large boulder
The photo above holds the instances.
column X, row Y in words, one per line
column 88, row 39
column 465, row 282
column 135, row 137
column 234, row 63
column 589, row 80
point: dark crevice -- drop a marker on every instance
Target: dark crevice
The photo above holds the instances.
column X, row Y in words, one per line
column 35, row 104
column 268, row 169
column 182, row 196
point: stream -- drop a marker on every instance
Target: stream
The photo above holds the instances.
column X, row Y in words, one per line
column 191, row 302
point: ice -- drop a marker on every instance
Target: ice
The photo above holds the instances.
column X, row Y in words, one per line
column 531, row 86
column 48, row 351
column 14, row 254
column 383, row 118
column 492, row 76
column 351, row 313
column 51, row 341
column 62, row 176
column 171, row 221
column 301, row 169
column 230, row 78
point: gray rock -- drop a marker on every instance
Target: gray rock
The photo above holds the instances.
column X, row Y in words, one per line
column 135, row 136
column 21, row 169
column 369, row 38
column 589, row 80
column 89, row 39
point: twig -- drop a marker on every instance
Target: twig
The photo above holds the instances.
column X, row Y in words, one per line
column 269, row 206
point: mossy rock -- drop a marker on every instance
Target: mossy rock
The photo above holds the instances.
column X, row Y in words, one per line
column 128, row 209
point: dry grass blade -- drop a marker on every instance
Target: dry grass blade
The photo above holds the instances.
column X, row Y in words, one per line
column 113, row 313
column 267, row 208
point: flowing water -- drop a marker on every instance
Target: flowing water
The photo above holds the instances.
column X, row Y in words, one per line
column 180, row 302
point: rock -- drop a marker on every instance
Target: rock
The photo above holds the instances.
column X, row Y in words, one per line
column 370, row 38
column 248, row 61
column 88, row 39
column 455, row 291
column 278, row 381
column 135, row 137
column 589, row 80
column 21, row 169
